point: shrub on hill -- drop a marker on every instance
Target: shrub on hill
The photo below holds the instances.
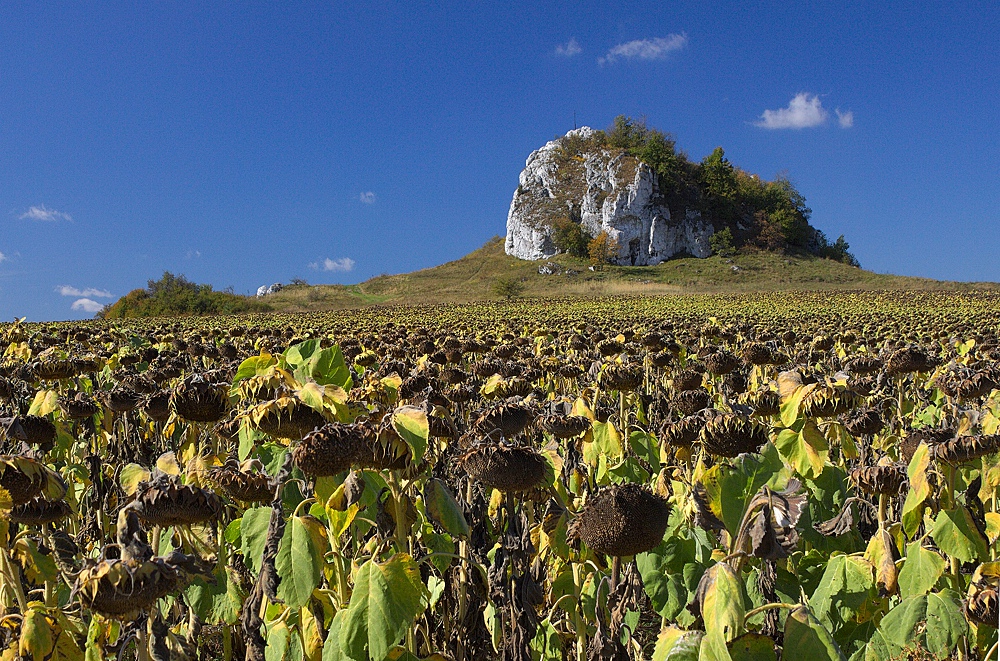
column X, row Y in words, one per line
column 175, row 295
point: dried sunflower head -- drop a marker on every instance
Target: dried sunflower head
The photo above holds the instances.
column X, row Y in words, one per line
column 983, row 607
column 157, row 406
column 874, row 480
column 687, row 379
column 690, row 402
column 331, row 449
column 966, row 448
column 197, row 399
column 285, row 417
column 720, row 362
column 78, row 407
column 24, row 478
column 510, row 418
column 682, row 433
column 620, row 520
column 504, row 467
column 246, row 482
column 120, row 587
column 864, row 422
column 37, row 430
column 164, row 501
column 38, row 511
column 564, row 426
column 620, row 377
column 729, row 435
column 910, row 359
column 825, row 401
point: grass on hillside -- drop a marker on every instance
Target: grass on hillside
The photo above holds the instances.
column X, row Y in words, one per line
column 471, row 278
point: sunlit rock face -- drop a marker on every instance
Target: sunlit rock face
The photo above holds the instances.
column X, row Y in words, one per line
column 602, row 189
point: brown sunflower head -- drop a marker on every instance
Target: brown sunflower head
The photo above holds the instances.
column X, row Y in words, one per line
column 507, row 468
column 621, row 520
column 164, row 501
column 729, row 435
column 196, row 399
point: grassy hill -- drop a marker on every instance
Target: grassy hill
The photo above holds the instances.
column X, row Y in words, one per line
column 472, row 278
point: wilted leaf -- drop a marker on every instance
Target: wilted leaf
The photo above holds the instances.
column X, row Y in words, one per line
column 677, row 645
column 807, row 638
column 720, row 597
column 253, row 529
column 806, row 451
column 933, row 622
column 131, row 476
column 410, row 422
column 444, row 509
column 847, row 583
column 752, row 647
column 45, row 402
column 920, row 489
column 37, row 638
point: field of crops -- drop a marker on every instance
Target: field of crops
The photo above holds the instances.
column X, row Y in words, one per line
column 752, row 477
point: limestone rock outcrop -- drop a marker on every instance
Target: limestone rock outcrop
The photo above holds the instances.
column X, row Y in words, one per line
column 602, row 189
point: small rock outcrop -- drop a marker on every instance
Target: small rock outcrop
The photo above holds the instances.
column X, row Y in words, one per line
column 602, row 189
column 264, row 290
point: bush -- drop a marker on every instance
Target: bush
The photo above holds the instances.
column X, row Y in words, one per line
column 175, row 295
column 838, row 251
column 570, row 237
column 602, row 249
column 722, row 243
column 508, row 288
column 765, row 234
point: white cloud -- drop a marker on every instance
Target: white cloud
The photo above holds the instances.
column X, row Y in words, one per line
column 87, row 305
column 804, row 111
column 569, row 49
column 67, row 290
column 3, row 257
column 845, row 119
column 343, row 264
column 41, row 212
column 193, row 254
column 646, row 49
column 368, row 197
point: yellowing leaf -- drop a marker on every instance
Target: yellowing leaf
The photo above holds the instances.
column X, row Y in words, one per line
column 410, row 422
column 167, row 462
column 45, row 402
column 920, row 489
column 130, row 477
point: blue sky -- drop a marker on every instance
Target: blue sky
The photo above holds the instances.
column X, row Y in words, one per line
column 248, row 143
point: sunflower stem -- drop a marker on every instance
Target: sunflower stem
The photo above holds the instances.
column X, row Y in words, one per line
column 579, row 623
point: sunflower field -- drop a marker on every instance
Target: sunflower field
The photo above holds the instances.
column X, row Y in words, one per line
column 718, row 478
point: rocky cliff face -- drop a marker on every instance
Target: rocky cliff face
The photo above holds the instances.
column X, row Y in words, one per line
column 602, row 189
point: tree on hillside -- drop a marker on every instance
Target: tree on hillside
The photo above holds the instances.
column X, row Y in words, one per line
column 602, row 249
column 570, row 237
column 508, row 288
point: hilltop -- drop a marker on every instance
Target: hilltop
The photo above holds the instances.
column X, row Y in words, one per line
column 473, row 277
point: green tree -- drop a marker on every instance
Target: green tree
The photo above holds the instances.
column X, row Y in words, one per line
column 719, row 184
column 570, row 237
column 508, row 288
column 722, row 243
column 627, row 133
